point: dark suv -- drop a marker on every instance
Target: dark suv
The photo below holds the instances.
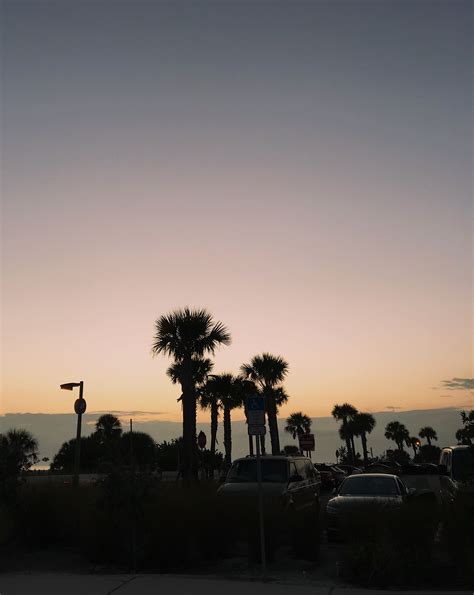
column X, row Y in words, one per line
column 290, row 483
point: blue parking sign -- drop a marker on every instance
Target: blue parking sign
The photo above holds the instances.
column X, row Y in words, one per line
column 256, row 404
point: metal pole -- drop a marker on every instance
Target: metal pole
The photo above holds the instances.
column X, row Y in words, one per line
column 260, row 511
column 77, row 457
column 131, row 445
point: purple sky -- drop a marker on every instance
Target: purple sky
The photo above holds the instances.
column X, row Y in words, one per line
column 301, row 169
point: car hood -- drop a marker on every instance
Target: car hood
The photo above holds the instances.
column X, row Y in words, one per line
column 340, row 503
column 250, row 487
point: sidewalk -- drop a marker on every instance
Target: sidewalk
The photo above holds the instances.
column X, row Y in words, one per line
column 151, row 584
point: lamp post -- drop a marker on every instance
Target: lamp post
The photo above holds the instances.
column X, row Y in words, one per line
column 80, row 408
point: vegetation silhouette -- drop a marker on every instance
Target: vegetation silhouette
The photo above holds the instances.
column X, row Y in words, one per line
column 108, row 449
column 465, row 435
column 397, row 432
column 298, row 423
column 187, row 336
column 428, row 433
column 268, row 372
column 18, row 453
column 361, row 425
column 345, row 413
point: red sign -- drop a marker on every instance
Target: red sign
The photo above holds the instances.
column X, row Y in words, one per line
column 201, row 439
column 306, row 441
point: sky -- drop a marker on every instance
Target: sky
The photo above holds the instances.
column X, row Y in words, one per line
column 300, row 169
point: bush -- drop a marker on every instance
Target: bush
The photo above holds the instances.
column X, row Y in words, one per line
column 390, row 547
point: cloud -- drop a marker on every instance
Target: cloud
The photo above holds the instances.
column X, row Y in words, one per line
column 459, row 384
column 125, row 416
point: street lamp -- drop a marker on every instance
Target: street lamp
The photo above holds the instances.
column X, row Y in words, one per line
column 79, row 408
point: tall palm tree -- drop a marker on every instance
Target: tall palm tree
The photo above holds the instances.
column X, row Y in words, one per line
column 209, row 399
column 187, row 336
column 298, row 423
column 268, row 372
column 397, row 432
column 363, row 424
column 345, row 413
column 428, row 433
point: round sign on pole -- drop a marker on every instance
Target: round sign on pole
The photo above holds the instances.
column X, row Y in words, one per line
column 80, row 406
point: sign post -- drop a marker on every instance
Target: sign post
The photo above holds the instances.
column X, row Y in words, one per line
column 256, row 427
column 80, row 406
column 306, row 443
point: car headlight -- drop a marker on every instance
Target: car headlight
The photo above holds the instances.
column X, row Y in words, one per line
column 331, row 509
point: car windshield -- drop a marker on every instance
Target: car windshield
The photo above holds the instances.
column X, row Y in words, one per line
column 463, row 464
column 246, row 471
column 359, row 485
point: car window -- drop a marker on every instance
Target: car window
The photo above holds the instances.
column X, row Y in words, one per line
column 401, row 487
column 361, row 485
column 301, row 468
column 310, row 472
column 245, row 470
column 463, row 464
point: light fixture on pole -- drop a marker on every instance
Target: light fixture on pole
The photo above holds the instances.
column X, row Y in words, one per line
column 80, row 408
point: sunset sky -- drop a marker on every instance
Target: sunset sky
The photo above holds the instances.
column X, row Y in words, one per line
column 300, row 169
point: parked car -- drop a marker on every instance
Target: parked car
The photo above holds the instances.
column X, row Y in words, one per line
column 350, row 469
column 363, row 493
column 291, row 490
column 337, row 474
column 328, row 480
column 456, row 468
column 290, row 482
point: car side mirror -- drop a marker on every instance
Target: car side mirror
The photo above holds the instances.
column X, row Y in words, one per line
column 294, row 478
column 412, row 491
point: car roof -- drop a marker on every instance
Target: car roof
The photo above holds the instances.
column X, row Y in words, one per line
column 457, row 447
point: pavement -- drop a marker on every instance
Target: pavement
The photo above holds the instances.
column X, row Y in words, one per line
column 152, row 584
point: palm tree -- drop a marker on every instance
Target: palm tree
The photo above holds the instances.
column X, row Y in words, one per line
column 298, row 423
column 268, row 372
column 428, row 433
column 18, row 452
column 397, row 432
column 344, row 413
column 187, row 336
column 363, row 424
column 209, row 399
column 108, row 428
column 414, row 442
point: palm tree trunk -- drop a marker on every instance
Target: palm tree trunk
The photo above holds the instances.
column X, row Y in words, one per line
column 227, row 436
column 214, row 422
column 353, row 449
column 273, row 426
column 363, row 439
column 348, row 442
column 429, row 440
column 190, row 471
